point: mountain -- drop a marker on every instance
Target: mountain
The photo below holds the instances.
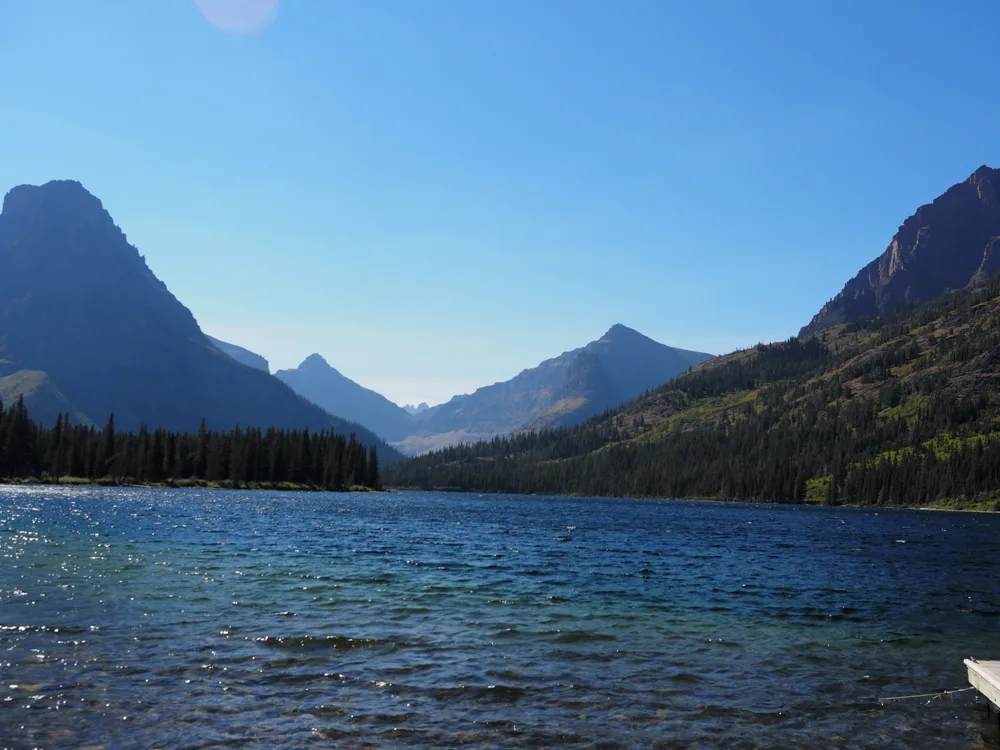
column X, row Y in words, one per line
column 241, row 355
column 895, row 410
column 951, row 243
column 41, row 397
column 317, row 381
column 415, row 410
column 79, row 303
column 560, row 391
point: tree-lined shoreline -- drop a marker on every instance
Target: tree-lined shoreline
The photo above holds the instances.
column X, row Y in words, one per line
column 249, row 458
column 900, row 410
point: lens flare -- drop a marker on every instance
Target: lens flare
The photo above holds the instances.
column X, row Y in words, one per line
column 243, row 17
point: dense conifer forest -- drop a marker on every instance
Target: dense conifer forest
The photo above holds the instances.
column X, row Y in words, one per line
column 240, row 458
column 901, row 410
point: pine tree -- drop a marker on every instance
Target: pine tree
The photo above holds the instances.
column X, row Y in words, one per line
column 201, row 451
column 55, row 458
column 338, row 462
column 106, row 454
column 238, row 456
column 373, row 480
column 140, row 461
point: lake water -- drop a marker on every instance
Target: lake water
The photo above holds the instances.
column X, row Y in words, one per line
column 182, row 619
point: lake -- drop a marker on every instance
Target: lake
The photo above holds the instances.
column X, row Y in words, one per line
column 183, row 619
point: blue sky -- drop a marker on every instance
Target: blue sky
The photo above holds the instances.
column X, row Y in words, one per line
column 435, row 195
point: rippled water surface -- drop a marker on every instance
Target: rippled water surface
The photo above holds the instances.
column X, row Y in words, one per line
column 182, row 619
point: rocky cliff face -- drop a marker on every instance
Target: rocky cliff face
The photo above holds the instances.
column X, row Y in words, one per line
column 947, row 244
column 79, row 303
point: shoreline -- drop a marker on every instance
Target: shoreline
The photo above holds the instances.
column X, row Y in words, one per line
column 203, row 484
column 960, row 509
column 957, row 510
column 182, row 484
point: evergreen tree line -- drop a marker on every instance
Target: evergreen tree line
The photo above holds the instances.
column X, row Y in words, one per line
column 859, row 418
column 242, row 457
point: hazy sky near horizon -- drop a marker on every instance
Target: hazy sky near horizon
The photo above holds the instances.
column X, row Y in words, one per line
column 436, row 195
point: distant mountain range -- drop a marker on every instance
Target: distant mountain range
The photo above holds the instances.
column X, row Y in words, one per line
column 950, row 243
column 567, row 389
column 564, row 390
column 326, row 387
column 86, row 327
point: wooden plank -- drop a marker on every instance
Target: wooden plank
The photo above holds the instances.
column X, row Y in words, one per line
column 984, row 676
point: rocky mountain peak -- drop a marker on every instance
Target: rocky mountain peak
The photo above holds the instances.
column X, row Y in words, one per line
column 315, row 363
column 986, row 181
column 947, row 244
column 622, row 335
column 985, row 173
column 65, row 224
column 618, row 329
column 322, row 384
column 67, row 199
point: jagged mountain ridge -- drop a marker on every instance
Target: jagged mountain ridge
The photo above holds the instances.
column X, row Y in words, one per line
column 79, row 303
column 950, row 243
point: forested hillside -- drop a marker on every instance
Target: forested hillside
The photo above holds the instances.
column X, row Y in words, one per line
column 898, row 410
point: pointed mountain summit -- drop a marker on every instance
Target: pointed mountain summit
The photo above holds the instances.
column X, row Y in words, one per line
column 950, row 243
column 622, row 331
column 322, row 384
column 568, row 389
column 316, row 363
column 78, row 303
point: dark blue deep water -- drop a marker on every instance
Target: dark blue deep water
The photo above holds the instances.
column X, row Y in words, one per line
column 183, row 619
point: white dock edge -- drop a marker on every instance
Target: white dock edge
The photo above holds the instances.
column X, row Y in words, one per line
column 984, row 676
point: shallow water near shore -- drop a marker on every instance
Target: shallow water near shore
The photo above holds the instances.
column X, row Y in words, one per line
column 185, row 618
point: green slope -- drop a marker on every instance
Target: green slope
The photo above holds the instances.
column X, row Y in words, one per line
column 898, row 410
column 42, row 398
